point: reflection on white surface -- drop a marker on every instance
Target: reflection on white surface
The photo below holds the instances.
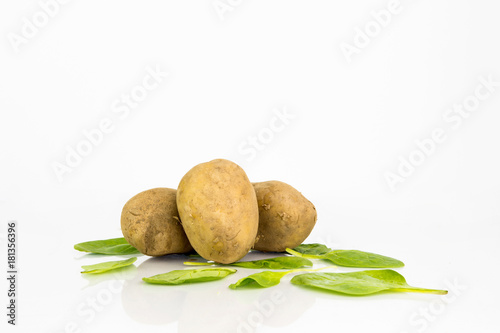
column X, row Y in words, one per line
column 151, row 304
column 211, row 306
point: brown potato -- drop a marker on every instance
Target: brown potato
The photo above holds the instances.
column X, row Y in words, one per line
column 286, row 217
column 150, row 222
column 218, row 207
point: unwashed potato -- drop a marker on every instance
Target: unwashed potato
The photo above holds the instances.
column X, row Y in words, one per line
column 150, row 222
column 218, row 209
column 286, row 217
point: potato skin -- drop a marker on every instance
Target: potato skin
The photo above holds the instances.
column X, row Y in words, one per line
column 286, row 217
column 150, row 222
column 218, row 207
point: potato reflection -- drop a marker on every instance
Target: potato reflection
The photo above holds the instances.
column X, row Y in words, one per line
column 288, row 304
column 215, row 307
column 154, row 304
column 243, row 310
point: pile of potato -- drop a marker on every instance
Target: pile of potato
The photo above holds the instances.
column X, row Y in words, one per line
column 219, row 213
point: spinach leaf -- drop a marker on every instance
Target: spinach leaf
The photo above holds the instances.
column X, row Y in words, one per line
column 113, row 246
column 275, row 263
column 314, row 249
column 189, row 276
column 361, row 283
column 107, row 266
column 348, row 258
column 268, row 278
column 263, row 279
column 355, row 258
column 271, row 263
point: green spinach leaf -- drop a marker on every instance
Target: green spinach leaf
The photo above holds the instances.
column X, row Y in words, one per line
column 113, row 246
column 355, row 258
column 107, row 266
column 313, row 249
column 361, row 283
column 268, row 278
column 189, row 276
column 271, row 263
column 263, row 279
column 348, row 258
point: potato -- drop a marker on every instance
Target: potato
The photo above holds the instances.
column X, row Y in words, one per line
column 150, row 222
column 218, row 207
column 286, row 217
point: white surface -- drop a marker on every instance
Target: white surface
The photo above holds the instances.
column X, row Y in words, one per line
column 351, row 122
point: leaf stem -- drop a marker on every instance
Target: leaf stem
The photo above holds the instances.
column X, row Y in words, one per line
column 309, row 269
column 422, row 290
column 197, row 263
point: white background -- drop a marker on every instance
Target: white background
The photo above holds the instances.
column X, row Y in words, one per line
column 351, row 119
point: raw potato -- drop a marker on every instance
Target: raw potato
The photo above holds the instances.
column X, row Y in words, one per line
column 286, row 217
column 218, row 208
column 150, row 222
